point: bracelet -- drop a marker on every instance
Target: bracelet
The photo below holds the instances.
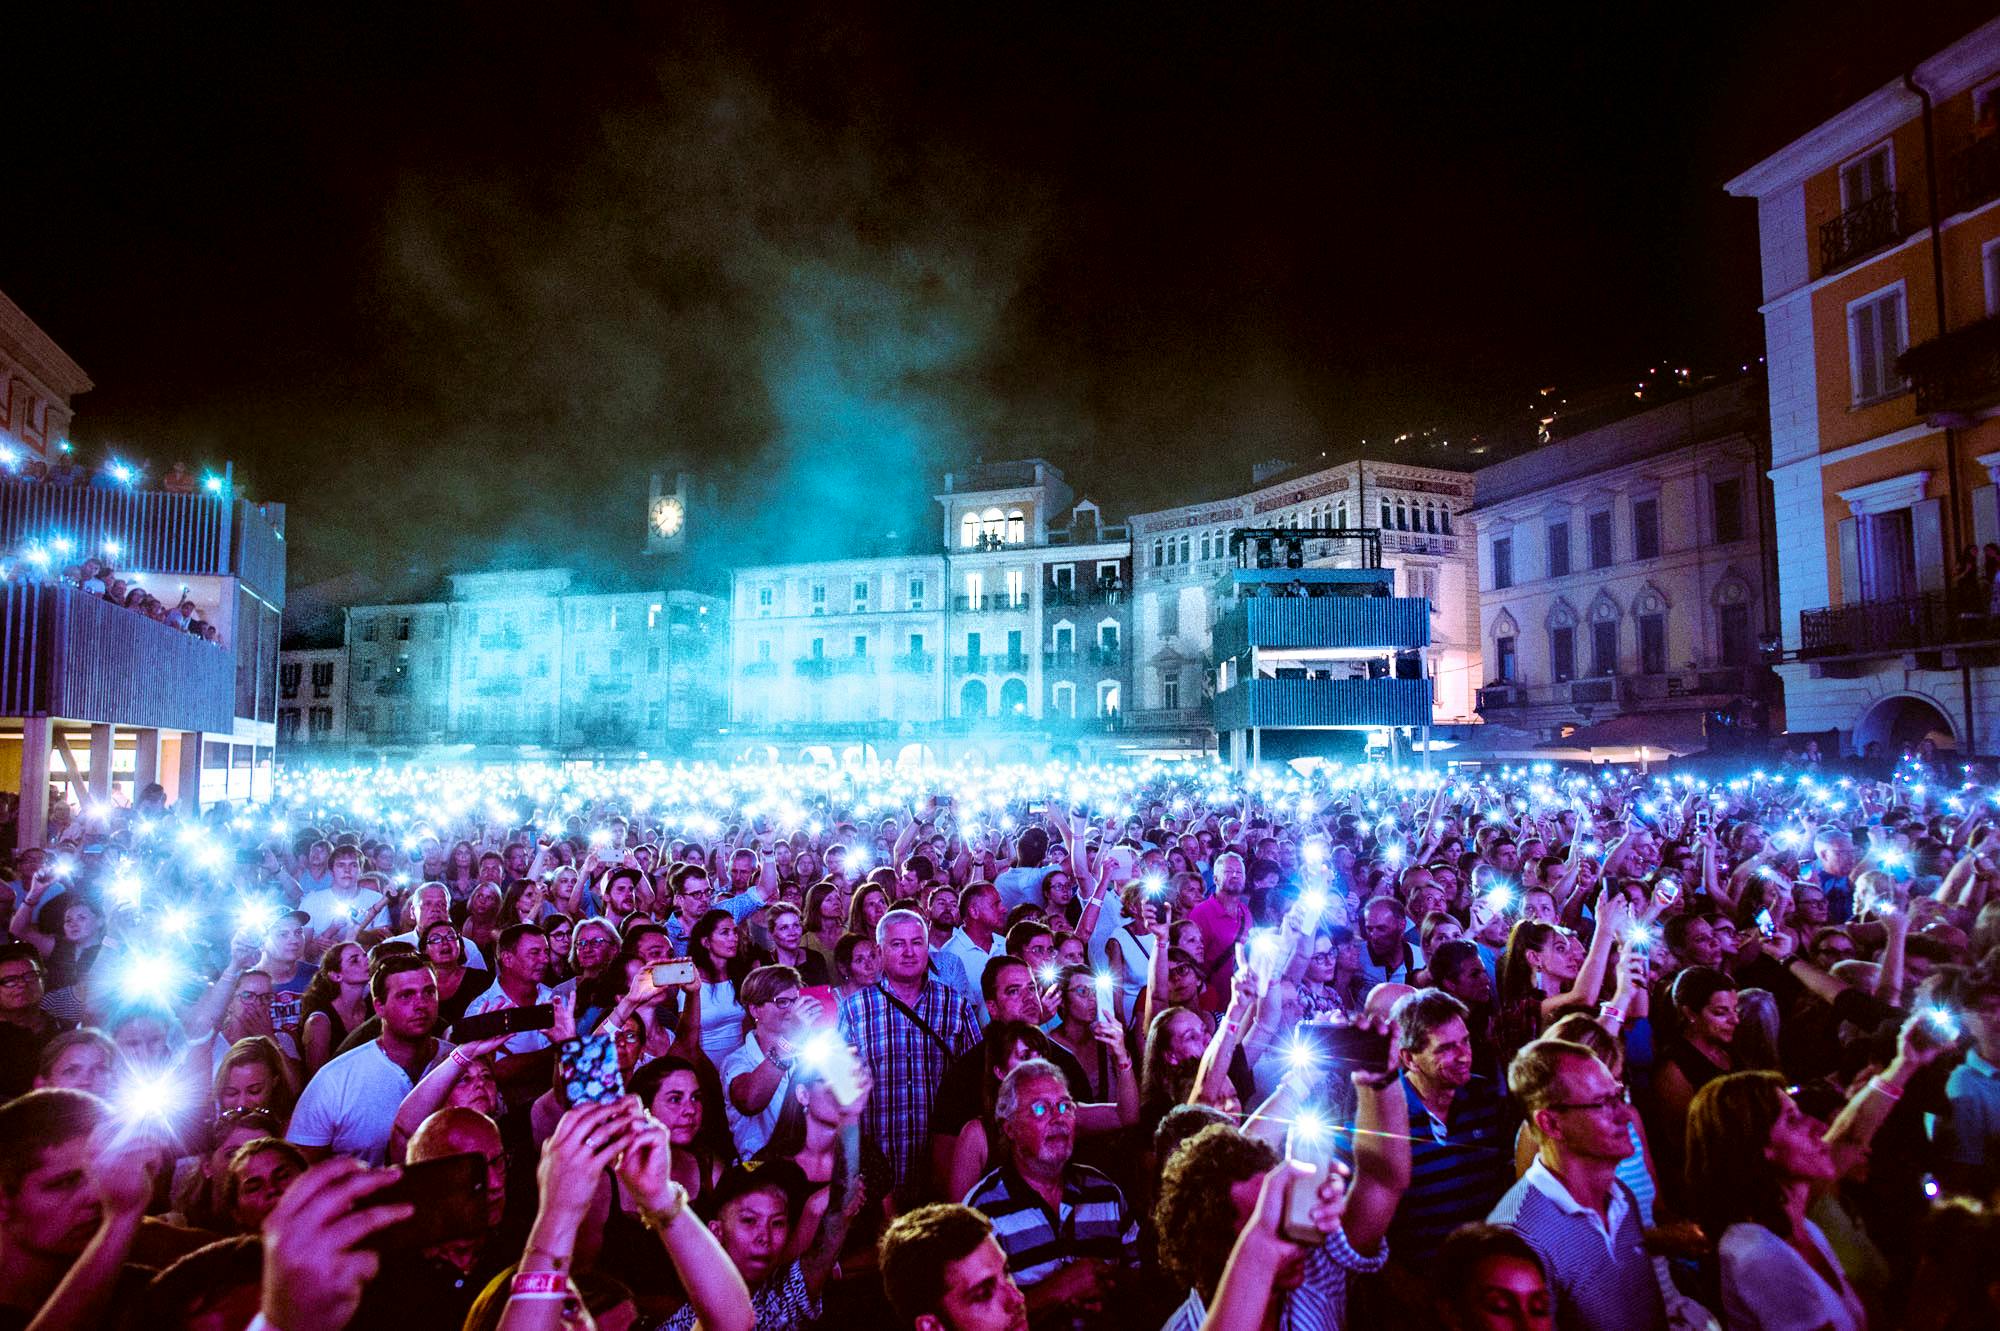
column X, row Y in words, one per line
column 540, row 1285
column 1880, row 1087
column 659, row 1220
column 1611, row 1012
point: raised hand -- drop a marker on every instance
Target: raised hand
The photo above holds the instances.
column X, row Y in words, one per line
column 315, row 1268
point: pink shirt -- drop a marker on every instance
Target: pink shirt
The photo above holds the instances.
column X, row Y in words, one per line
column 1219, row 933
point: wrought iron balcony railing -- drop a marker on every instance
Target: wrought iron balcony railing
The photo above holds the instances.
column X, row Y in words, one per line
column 1887, row 627
column 1862, row 229
column 1956, row 374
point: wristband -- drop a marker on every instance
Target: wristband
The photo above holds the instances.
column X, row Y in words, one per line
column 539, row 1285
column 1880, row 1087
column 460, row 1057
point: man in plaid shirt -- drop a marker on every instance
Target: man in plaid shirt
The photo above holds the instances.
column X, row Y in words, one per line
column 908, row 1029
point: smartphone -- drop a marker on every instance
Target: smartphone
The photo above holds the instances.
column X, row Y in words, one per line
column 449, row 1200
column 1765, row 924
column 670, row 973
column 503, row 1021
column 829, row 1004
column 1345, row 1046
column 587, row 1069
column 1301, row 1195
column 1703, row 817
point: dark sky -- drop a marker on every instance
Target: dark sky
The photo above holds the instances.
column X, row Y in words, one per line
column 451, row 280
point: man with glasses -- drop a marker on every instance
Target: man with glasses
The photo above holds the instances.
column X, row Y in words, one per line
column 692, row 897
column 24, row 1028
column 1570, row 1206
column 1065, row 1227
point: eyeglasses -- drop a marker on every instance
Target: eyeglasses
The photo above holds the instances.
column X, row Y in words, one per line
column 1043, row 1108
column 20, row 981
column 1613, row 1101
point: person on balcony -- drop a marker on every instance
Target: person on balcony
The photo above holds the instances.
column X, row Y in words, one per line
column 179, row 481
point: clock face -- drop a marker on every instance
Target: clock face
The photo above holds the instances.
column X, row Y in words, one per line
column 667, row 515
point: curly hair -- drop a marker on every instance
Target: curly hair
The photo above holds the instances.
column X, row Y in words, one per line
column 1195, row 1206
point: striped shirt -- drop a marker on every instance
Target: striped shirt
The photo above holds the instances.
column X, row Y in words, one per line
column 1320, row 1301
column 1456, row 1175
column 781, row 1303
column 1092, row 1221
column 906, row 1065
column 1598, row 1266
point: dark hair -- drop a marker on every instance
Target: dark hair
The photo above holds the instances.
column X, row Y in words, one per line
column 1728, row 1177
column 1518, row 1006
column 916, row 1250
column 843, row 951
column 1450, row 958
column 989, row 975
column 1195, row 1207
column 1696, row 985
column 198, row 1280
column 19, row 951
column 1419, row 1015
column 712, row 1143
column 737, row 966
column 1462, row 1252
column 396, row 963
column 1181, row 1123
column 1024, row 933
column 324, row 986
column 514, row 935
column 30, row 1124
column 226, row 1197
column 1001, row 1037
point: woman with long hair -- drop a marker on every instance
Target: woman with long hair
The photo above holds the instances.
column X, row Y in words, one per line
column 1704, row 1000
column 253, row 1075
column 825, row 921
column 196, row 1191
column 461, row 870
column 1172, row 1059
column 674, row 1092
column 335, row 1003
column 1545, row 971
column 870, row 904
column 857, row 962
column 1754, row 1160
column 721, row 962
column 483, row 921
column 522, row 903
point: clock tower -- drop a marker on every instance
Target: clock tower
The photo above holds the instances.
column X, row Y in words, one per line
column 666, row 516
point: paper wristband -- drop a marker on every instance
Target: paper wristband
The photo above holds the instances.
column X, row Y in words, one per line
column 545, row 1284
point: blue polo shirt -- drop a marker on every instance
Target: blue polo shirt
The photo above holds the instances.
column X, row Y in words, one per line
column 1457, row 1174
column 1969, row 1134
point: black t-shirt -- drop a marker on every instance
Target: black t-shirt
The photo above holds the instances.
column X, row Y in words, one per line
column 21, row 1056
column 961, row 1098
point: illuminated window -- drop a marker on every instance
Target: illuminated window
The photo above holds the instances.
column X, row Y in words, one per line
column 968, row 530
column 993, row 526
column 1017, row 587
column 1017, row 527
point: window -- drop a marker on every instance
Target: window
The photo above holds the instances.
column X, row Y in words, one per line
column 288, row 678
column 1107, row 698
column 861, row 644
column 975, row 589
column 1170, row 692
column 322, row 678
column 1600, row 539
column 1065, row 640
column 617, row 661
column 1016, row 649
column 1063, row 577
column 1728, row 496
column 1421, row 582
column 1503, row 655
column 364, row 672
column 763, row 649
column 1503, row 562
column 288, row 723
column 819, row 598
column 1388, row 514
column 1017, row 527
column 1063, row 698
column 1645, row 528
column 819, row 649
column 1017, row 587
column 364, row 719
column 1604, row 647
column 916, row 593
column 402, row 628
column 968, row 531
column 973, row 650
column 1562, row 653
column 1107, row 570
column 1187, row 548
column 582, row 664
column 1558, row 549
column 763, row 598
column 1865, row 178
column 860, row 597
column 1738, row 644
column 367, row 630
column 656, row 715
column 1107, row 639
column 586, row 621
column 1876, row 336
column 320, row 720
column 1158, row 559
column 916, row 645
column 1340, row 514
column 1653, row 642
column 1204, row 546
column 1170, row 616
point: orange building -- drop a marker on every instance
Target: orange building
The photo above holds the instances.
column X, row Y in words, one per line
column 1879, row 232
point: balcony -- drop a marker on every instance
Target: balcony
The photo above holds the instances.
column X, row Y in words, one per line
column 66, row 653
column 853, row 665
column 1496, row 697
column 1323, row 621
column 154, row 532
column 1283, row 703
column 1106, row 658
column 996, row 602
column 1636, row 691
column 1972, row 175
column 1101, row 593
column 1015, row 662
column 813, row 667
column 1060, row 659
column 1956, row 375
column 915, row 663
column 1861, row 230
column 1879, row 628
column 1598, row 690
column 759, row 669
column 1168, row 718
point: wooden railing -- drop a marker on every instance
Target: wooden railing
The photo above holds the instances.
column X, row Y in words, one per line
column 66, row 653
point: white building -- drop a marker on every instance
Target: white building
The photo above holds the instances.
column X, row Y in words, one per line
column 1622, row 570
column 1182, row 558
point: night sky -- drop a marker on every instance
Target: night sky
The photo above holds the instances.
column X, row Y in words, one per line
column 452, row 280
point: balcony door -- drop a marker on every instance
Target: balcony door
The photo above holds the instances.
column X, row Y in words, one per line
column 1892, row 555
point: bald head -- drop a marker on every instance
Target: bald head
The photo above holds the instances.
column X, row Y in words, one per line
column 455, row 1130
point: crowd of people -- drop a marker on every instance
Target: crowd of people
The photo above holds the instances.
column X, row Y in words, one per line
column 99, row 577
column 1160, row 1045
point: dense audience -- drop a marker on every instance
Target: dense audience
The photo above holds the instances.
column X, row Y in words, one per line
column 1150, row 1046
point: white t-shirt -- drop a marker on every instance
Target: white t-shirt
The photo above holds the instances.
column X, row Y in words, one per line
column 752, row 1131
column 521, row 1042
column 350, row 1104
column 325, row 907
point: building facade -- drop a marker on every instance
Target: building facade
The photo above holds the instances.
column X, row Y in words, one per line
column 1879, row 233
column 516, row 660
column 97, row 700
column 1622, row 570
column 1184, row 565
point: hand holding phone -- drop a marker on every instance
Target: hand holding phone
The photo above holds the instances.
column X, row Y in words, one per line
column 587, row 1070
column 503, row 1021
column 1314, row 1198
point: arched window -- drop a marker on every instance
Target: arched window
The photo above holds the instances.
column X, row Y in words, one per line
column 1187, row 548
column 993, row 526
column 1340, row 514
column 1017, row 527
column 1562, row 642
column 1157, row 552
column 1430, row 517
column 1447, row 519
column 968, row 530
column 1649, row 609
column 1388, row 514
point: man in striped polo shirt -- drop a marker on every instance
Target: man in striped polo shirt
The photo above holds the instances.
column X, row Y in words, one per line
column 1461, row 1129
column 1065, row 1228
column 1570, row 1206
